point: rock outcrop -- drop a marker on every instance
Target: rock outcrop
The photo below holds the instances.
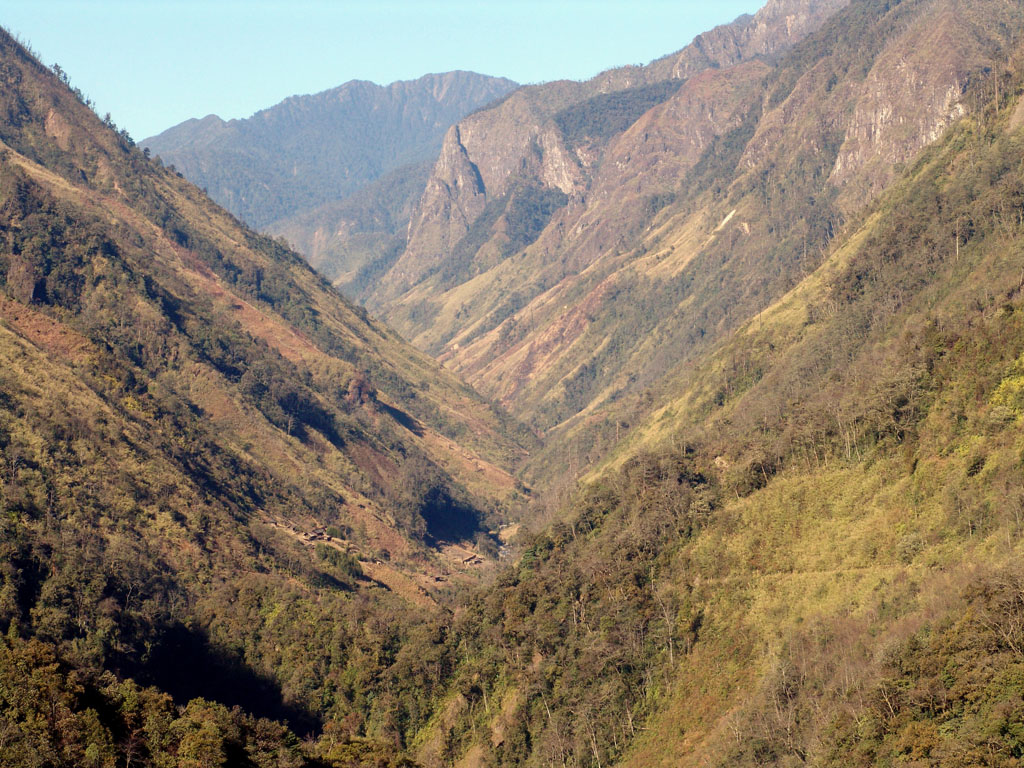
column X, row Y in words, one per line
column 523, row 137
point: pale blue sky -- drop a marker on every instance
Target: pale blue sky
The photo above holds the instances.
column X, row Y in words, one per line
column 154, row 63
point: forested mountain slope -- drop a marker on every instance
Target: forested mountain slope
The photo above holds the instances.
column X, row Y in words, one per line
column 213, row 468
column 805, row 548
column 352, row 242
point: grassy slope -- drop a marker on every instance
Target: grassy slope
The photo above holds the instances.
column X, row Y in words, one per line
column 897, row 541
column 580, row 333
column 812, row 555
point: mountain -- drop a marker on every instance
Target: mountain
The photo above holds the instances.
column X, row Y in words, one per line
column 570, row 284
column 335, row 173
column 311, row 150
column 807, row 550
column 553, row 135
column 795, row 413
column 353, row 241
column 213, row 466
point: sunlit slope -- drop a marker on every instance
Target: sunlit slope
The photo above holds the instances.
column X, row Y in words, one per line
column 555, row 137
column 871, row 575
column 812, row 554
column 707, row 208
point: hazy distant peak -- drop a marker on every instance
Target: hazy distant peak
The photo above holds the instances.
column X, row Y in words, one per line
column 309, row 150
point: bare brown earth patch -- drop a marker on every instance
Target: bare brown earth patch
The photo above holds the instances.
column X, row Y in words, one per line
column 44, row 332
column 57, row 127
column 476, row 469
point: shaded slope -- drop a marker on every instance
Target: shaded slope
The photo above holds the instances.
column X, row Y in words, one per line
column 355, row 241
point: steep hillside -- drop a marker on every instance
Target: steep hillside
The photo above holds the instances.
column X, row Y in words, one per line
column 213, row 468
column 798, row 384
column 811, row 556
column 312, row 150
column 704, row 210
column 553, row 136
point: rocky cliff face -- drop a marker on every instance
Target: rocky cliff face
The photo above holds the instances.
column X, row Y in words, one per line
column 479, row 159
column 777, row 26
column 453, row 198
column 914, row 91
column 526, row 136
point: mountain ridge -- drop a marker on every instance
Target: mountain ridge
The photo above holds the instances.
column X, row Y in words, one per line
column 521, row 131
column 339, row 139
column 737, row 166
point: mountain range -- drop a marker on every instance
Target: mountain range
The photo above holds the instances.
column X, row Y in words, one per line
column 569, row 288
column 751, row 320
column 294, row 168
